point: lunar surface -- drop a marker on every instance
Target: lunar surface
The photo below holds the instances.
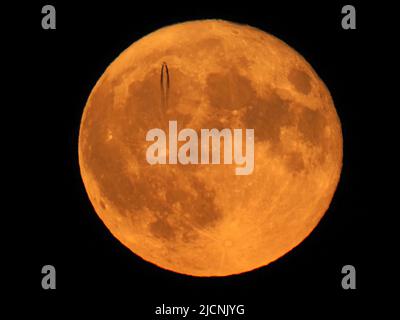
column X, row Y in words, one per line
column 204, row 220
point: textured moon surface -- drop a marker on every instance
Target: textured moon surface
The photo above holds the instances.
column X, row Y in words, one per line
column 204, row 220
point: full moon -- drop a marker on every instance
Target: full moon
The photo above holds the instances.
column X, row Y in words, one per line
column 199, row 219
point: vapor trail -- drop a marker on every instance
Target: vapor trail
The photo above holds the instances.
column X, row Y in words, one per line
column 164, row 83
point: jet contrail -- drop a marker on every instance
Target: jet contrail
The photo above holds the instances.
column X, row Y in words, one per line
column 164, row 83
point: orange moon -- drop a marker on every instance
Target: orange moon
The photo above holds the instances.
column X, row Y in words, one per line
column 204, row 220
